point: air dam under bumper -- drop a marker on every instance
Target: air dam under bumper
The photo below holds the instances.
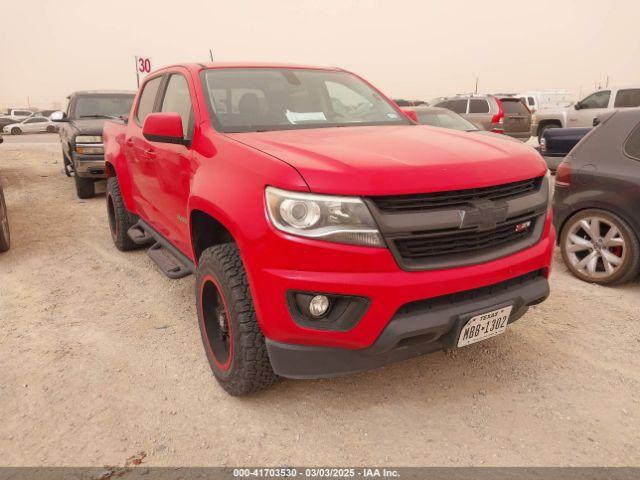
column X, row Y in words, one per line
column 417, row 328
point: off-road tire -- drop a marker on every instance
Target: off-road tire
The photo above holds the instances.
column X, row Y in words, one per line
column 120, row 219
column 5, row 238
column 85, row 187
column 249, row 369
column 631, row 264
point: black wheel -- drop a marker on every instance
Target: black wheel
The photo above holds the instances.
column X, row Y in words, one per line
column 232, row 338
column 51, row 129
column 120, row 219
column 600, row 247
column 5, row 238
column 16, row 131
column 543, row 128
column 85, row 187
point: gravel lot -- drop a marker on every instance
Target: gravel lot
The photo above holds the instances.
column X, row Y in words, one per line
column 101, row 359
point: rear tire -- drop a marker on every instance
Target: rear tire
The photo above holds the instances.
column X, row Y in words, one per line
column 545, row 127
column 120, row 220
column 16, row 131
column 85, row 187
column 5, row 238
column 232, row 338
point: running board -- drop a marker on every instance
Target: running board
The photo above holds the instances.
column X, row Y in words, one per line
column 173, row 263
column 171, row 266
column 139, row 235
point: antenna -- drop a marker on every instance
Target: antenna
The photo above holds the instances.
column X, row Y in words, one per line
column 211, row 54
column 477, row 78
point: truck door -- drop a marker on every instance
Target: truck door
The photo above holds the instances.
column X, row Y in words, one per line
column 588, row 109
column 141, row 166
column 173, row 165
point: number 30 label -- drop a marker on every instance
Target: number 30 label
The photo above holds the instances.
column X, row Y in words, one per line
column 144, row 65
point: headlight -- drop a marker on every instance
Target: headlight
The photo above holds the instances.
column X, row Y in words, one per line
column 89, row 139
column 323, row 217
column 534, row 118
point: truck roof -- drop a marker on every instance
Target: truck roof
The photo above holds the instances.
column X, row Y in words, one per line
column 207, row 65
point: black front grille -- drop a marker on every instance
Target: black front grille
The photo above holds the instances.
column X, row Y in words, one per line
column 455, row 198
column 421, row 246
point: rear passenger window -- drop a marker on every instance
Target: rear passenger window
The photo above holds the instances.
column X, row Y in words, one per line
column 147, row 99
column 178, row 99
column 458, row 106
column 532, row 101
column 478, row 106
column 632, row 147
column 629, row 97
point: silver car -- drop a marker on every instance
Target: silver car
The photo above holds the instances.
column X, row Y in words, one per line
column 507, row 115
column 31, row 125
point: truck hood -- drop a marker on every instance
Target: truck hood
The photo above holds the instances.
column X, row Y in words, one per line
column 88, row 126
column 396, row 159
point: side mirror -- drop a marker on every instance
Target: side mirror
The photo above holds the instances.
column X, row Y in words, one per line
column 59, row 117
column 164, row 128
column 577, row 106
column 411, row 114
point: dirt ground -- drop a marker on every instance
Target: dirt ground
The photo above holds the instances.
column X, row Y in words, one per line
column 101, row 359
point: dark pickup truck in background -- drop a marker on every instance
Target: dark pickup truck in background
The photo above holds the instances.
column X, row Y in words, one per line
column 556, row 143
column 81, row 133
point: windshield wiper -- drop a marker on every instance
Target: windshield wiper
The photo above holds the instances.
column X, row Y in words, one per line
column 102, row 116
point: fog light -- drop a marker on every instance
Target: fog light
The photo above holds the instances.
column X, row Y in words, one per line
column 318, row 305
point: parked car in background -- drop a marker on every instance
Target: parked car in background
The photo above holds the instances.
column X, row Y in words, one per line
column 505, row 115
column 328, row 233
column 556, row 143
column 16, row 114
column 541, row 100
column 587, row 110
column 597, row 201
column 444, row 118
column 81, row 133
column 31, row 125
column 5, row 237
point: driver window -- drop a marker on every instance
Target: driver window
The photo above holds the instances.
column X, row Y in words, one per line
column 596, row 100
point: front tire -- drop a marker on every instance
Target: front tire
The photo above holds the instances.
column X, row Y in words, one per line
column 85, row 187
column 599, row 247
column 120, row 220
column 5, row 238
column 232, row 338
column 16, row 131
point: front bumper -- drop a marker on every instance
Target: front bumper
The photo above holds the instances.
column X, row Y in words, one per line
column 420, row 328
column 88, row 166
column 280, row 263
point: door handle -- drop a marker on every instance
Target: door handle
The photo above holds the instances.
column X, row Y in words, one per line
column 129, row 142
column 150, row 153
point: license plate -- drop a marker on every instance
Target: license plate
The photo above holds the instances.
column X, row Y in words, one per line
column 485, row 325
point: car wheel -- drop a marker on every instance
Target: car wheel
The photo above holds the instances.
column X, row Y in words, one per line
column 5, row 238
column 232, row 338
column 120, row 220
column 16, row 131
column 51, row 129
column 543, row 128
column 85, row 187
column 600, row 247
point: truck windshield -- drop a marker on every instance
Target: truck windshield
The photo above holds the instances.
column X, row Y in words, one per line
column 263, row 99
column 102, row 106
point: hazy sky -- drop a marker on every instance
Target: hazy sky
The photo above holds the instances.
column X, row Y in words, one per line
column 408, row 48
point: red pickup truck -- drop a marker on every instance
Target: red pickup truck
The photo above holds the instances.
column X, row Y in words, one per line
column 328, row 232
